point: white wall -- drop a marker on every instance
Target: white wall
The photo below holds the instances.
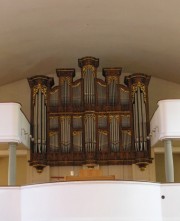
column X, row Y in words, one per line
column 171, row 202
column 159, row 90
column 19, row 92
column 10, row 204
column 91, row 201
column 110, row 201
column 76, row 201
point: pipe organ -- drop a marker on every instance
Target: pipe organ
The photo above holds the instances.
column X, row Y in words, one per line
column 89, row 120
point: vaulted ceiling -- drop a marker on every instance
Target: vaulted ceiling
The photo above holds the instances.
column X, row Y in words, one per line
column 38, row 36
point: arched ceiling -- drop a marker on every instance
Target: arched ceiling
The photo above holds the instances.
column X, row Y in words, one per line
column 38, row 36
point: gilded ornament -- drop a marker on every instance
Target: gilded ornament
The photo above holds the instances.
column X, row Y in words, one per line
column 43, row 90
column 77, row 132
column 110, row 79
column 104, row 132
column 87, row 68
column 65, row 79
column 135, row 87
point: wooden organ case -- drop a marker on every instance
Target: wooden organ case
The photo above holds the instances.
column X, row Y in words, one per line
column 89, row 120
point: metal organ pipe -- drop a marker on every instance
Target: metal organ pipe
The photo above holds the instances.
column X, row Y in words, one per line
column 45, row 132
column 100, row 95
column 69, row 133
column 117, row 134
column 136, row 128
column 61, row 120
column 89, row 86
column 35, row 123
column 53, row 101
column 136, row 122
column 123, row 140
column 144, row 121
column 139, row 121
column 112, row 92
column 91, row 133
column 80, row 141
column 39, row 122
column 90, row 137
column 61, row 133
column 86, row 133
column 56, row 141
column 126, row 139
column 101, row 92
column 94, row 135
column 65, row 133
column 89, row 128
column 114, row 133
column 92, row 88
column 85, row 88
column 77, row 94
column 102, row 140
column 68, row 139
column 111, row 133
column 68, row 94
column 39, row 133
column 111, row 141
column 77, row 141
column 65, row 92
column 92, row 140
column 42, row 122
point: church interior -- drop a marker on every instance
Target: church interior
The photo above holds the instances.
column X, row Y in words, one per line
column 89, row 111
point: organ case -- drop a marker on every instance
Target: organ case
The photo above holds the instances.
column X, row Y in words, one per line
column 89, row 120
